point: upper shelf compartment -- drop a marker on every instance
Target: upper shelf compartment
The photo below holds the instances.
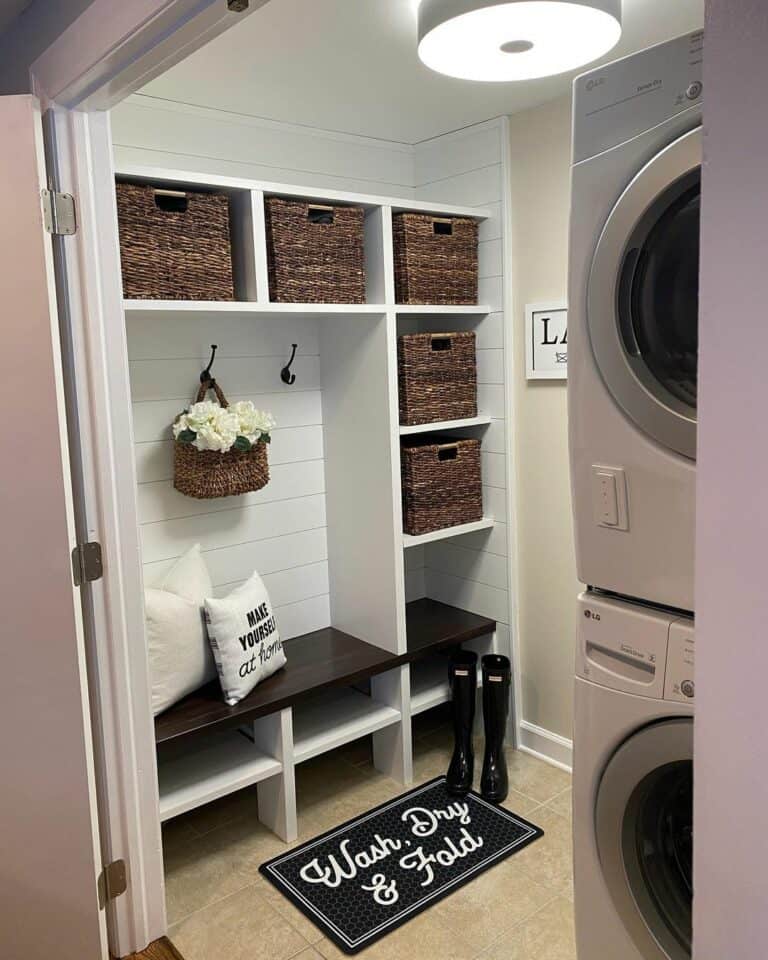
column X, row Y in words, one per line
column 249, row 245
column 435, row 259
column 160, row 221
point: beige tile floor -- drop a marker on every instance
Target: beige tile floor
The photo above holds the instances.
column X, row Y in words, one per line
column 220, row 908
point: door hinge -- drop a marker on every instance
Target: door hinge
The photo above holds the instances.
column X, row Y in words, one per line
column 113, row 881
column 237, row 6
column 59, row 213
column 87, row 563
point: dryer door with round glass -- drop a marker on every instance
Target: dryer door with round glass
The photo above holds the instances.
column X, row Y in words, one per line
column 643, row 298
column 644, row 829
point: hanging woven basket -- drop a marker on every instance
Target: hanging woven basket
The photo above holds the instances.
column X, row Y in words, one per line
column 208, row 474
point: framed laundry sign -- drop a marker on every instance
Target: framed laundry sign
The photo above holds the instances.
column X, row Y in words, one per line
column 546, row 341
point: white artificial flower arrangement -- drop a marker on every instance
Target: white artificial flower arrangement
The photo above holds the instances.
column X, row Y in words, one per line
column 208, row 426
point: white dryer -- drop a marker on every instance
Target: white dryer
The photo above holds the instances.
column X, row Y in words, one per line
column 633, row 321
column 633, row 782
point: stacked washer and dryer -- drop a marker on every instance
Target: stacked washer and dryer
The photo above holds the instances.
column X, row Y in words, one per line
column 633, row 331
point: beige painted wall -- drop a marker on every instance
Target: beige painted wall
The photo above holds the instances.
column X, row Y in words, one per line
column 540, row 200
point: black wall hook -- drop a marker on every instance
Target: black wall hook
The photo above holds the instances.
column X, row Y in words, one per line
column 205, row 375
column 285, row 374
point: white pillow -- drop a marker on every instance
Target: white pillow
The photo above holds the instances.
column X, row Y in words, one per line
column 243, row 633
column 189, row 577
column 180, row 659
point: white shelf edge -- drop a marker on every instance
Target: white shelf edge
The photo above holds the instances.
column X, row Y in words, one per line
column 324, row 724
column 132, row 307
column 452, row 310
column 447, row 532
column 220, row 766
column 479, row 421
column 191, row 178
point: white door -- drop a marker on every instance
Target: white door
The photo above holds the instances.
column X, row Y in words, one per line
column 49, row 843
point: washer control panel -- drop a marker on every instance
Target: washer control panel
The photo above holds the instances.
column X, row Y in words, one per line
column 679, row 683
column 635, row 648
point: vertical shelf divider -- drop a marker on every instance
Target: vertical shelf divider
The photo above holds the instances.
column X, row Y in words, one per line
column 277, row 795
column 393, row 749
column 393, row 746
column 245, row 245
column 258, row 220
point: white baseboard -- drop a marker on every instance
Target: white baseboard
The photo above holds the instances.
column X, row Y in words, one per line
column 546, row 745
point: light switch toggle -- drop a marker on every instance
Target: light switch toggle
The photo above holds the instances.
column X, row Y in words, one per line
column 608, row 504
column 609, row 497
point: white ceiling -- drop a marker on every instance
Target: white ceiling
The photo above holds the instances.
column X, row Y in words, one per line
column 10, row 9
column 351, row 66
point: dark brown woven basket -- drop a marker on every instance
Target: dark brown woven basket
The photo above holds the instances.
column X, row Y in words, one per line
column 442, row 484
column 437, row 374
column 174, row 245
column 315, row 253
column 207, row 474
column 435, row 259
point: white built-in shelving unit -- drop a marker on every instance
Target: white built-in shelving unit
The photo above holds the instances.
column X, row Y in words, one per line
column 326, row 533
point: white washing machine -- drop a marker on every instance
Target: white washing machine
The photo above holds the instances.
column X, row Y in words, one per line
column 633, row 321
column 633, row 781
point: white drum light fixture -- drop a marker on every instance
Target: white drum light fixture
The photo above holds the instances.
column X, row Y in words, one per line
column 502, row 40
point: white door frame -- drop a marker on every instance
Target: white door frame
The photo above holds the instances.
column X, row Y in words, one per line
column 106, row 54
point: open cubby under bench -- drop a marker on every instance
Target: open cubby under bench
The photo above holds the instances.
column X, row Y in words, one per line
column 207, row 749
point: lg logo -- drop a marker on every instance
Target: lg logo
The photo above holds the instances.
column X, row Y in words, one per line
column 595, row 82
column 591, row 615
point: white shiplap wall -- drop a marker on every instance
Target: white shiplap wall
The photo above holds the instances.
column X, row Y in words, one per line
column 467, row 167
column 163, row 133
column 279, row 530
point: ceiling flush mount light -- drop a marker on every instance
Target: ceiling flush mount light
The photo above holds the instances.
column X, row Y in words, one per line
column 515, row 39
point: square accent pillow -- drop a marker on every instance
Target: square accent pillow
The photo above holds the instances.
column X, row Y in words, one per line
column 243, row 633
column 189, row 577
column 180, row 659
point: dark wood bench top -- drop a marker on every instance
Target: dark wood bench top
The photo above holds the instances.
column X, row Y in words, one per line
column 320, row 660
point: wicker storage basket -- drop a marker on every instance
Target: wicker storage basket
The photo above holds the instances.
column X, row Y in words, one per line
column 315, row 253
column 437, row 374
column 441, row 482
column 207, row 474
column 174, row 245
column 435, row 259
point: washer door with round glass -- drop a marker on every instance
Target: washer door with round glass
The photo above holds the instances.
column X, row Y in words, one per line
column 644, row 829
column 643, row 298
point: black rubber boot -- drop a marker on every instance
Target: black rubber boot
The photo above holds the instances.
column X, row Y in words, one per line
column 463, row 678
column 497, row 675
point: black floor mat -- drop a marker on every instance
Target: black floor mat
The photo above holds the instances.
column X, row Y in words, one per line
column 365, row 878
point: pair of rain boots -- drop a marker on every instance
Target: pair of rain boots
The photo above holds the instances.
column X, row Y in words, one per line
column 494, row 782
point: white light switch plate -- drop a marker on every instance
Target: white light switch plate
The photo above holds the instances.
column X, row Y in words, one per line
column 609, row 497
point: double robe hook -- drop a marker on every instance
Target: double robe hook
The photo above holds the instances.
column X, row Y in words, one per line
column 285, row 374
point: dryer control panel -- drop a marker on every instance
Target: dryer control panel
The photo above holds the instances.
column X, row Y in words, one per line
column 620, row 101
column 636, row 649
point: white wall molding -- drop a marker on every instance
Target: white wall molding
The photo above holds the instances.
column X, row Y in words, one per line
column 546, row 745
